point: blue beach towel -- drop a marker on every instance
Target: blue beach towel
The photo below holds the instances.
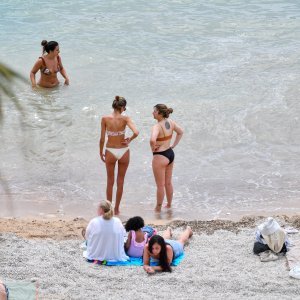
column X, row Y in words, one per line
column 133, row 261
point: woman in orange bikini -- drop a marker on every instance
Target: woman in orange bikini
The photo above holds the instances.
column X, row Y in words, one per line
column 49, row 65
column 163, row 154
column 117, row 149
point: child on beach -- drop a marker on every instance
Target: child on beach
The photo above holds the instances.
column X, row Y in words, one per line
column 163, row 250
column 137, row 238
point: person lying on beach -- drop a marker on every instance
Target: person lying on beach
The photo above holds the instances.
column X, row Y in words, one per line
column 163, row 250
column 49, row 65
column 105, row 236
column 137, row 238
column 3, row 291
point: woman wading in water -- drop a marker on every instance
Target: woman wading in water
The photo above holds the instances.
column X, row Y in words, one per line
column 49, row 65
column 117, row 150
column 163, row 154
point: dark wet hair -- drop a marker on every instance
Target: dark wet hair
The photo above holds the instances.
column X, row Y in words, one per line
column 163, row 258
column 119, row 102
column 163, row 110
column 134, row 223
column 49, row 46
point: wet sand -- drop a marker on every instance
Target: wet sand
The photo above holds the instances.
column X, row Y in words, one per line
column 61, row 229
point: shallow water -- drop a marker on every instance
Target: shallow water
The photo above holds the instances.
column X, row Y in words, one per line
column 229, row 70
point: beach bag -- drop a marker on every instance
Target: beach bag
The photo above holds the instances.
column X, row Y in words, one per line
column 149, row 230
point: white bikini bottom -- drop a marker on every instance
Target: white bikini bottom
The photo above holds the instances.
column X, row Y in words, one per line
column 118, row 152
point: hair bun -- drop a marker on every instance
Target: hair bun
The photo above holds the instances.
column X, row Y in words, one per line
column 170, row 110
column 44, row 43
column 117, row 98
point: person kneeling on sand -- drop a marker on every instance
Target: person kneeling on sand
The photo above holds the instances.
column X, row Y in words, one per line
column 164, row 250
column 105, row 236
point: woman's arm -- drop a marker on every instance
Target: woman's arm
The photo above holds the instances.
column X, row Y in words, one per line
column 102, row 139
column 133, row 128
column 63, row 72
column 169, row 256
column 38, row 64
column 146, row 261
column 128, row 242
column 154, row 135
column 179, row 133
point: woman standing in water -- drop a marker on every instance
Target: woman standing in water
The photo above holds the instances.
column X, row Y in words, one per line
column 163, row 154
column 49, row 65
column 117, row 150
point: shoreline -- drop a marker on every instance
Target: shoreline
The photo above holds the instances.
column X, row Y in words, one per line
column 70, row 228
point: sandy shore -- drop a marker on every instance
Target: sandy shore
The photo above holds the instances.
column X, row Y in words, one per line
column 219, row 263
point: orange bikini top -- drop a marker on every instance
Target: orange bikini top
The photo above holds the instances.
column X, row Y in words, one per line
column 164, row 138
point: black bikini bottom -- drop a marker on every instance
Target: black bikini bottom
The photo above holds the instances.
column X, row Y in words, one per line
column 169, row 154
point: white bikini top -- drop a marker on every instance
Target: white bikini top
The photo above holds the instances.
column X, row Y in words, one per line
column 115, row 133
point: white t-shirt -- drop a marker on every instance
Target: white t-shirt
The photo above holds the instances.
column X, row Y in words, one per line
column 105, row 240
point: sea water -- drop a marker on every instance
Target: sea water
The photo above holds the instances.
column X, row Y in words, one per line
column 229, row 69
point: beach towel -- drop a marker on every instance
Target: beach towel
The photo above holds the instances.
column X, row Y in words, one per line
column 22, row 290
column 132, row 261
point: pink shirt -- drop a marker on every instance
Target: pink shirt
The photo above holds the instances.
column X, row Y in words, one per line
column 136, row 249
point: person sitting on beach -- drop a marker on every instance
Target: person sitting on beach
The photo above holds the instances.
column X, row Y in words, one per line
column 117, row 150
column 163, row 250
column 137, row 238
column 105, row 236
column 49, row 65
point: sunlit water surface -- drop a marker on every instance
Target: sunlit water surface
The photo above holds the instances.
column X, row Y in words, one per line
column 230, row 71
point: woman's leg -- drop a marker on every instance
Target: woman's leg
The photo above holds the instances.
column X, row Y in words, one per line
column 169, row 185
column 110, row 162
column 184, row 237
column 122, row 168
column 159, row 164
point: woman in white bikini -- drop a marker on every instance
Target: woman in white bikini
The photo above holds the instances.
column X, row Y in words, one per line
column 163, row 154
column 117, row 149
column 49, row 65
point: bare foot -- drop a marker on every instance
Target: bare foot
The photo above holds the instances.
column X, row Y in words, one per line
column 157, row 209
column 168, row 206
column 169, row 229
column 116, row 212
column 190, row 230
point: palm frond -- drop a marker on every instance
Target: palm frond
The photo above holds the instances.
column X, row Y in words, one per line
column 8, row 79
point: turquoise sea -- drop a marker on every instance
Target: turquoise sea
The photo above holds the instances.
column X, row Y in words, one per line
column 229, row 69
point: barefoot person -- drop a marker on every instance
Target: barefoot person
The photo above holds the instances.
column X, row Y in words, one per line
column 163, row 154
column 49, row 65
column 117, row 150
column 164, row 250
